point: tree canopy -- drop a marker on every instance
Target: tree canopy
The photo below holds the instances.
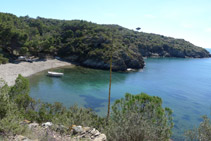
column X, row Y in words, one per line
column 83, row 41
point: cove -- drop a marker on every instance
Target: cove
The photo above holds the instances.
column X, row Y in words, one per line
column 183, row 84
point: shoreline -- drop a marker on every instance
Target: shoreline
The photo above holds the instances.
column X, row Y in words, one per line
column 9, row 72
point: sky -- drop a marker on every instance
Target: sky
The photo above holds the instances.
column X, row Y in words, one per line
column 186, row 19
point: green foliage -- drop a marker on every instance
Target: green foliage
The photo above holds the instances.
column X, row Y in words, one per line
column 135, row 117
column 3, row 60
column 11, row 122
column 19, row 94
column 86, row 40
column 202, row 133
column 139, row 117
column 4, row 101
column 21, row 87
column 78, row 116
column 24, row 50
column 10, row 116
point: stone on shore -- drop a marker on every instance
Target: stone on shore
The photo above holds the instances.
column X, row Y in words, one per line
column 51, row 132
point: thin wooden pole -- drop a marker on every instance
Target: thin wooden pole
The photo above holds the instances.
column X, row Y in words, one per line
column 109, row 93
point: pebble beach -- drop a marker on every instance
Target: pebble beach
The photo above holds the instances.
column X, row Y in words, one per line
column 9, row 72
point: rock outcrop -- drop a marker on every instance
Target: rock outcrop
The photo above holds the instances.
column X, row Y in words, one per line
column 121, row 61
column 51, row 132
column 87, row 133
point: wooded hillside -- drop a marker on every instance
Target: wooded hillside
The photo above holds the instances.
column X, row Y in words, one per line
column 87, row 43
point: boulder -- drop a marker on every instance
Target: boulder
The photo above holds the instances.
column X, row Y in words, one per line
column 77, row 129
column 79, row 133
column 95, row 132
column 25, row 122
column 101, row 137
column 87, row 133
column 61, row 129
column 21, row 138
column 86, row 129
column 47, row 124
column 33, row 125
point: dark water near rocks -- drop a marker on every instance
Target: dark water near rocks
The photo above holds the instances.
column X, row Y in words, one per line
column 183, row 84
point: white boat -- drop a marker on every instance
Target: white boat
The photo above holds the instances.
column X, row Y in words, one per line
column 130, row 69
column 57, row 74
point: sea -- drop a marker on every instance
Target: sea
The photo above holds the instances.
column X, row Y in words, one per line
column 184, row 84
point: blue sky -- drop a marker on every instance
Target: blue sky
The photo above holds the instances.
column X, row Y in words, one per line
column 187, row 19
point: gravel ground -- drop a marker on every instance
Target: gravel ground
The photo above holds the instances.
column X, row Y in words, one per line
column 9, row 72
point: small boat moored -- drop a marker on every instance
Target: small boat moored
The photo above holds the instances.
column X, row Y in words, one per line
column 130, row 69
column 56, row 74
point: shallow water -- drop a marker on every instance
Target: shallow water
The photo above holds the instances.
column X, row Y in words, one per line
column 183, row 84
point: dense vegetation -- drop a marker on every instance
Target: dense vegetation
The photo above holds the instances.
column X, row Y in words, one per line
column 140, row 117
column 133, row 118
column 87, row 43
column 201, row 133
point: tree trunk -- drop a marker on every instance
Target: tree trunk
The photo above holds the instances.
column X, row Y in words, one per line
column 109, row 94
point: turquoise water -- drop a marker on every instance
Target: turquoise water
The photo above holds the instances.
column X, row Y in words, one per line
column 183, row 84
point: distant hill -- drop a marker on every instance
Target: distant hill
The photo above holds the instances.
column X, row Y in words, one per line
column 87, row 43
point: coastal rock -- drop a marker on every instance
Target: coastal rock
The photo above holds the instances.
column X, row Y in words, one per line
column 87, row 133
column 61, row 129
column 33, row 125
column 155, row 55
column 77, row 129
column 118, row 65
column 95, row 64
column 101, row 137
column 120, row 62
column 86, row 129
column 21, row 138
column 47, row 124
column 27, row 121
column 132, row 60
column 59, row 133
column 95, row 132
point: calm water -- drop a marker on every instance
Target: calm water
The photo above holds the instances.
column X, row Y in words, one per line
column 183, row 84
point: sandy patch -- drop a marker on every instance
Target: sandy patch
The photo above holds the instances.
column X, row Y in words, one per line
column 9, row 72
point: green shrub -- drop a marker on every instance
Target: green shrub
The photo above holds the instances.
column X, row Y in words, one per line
column 23, row 50
column 78, row 116
column 139, row 117
column 3, row 60
column 202, row 133
column 10, row 124
column 4, row 101
column 10, row 116
column 21, row 87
